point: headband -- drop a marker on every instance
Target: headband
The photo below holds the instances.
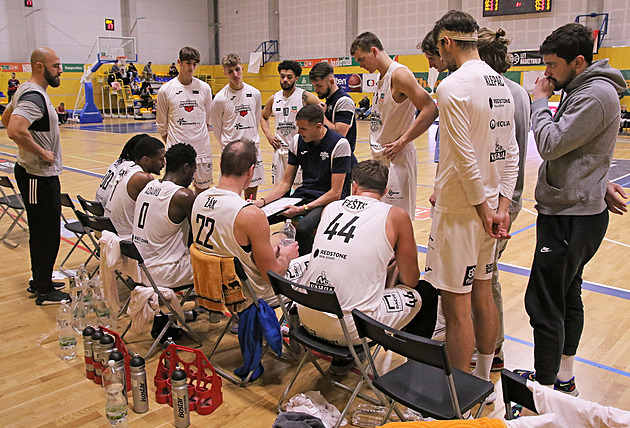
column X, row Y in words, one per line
column 462, row 37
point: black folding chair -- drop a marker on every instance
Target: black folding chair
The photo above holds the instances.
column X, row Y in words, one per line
column 79, row 232
column 91, row 207
column 426, row 383
column 515, row 390
column 11, row 201
column 324, row 301
column 249, row 292
column 128, row 249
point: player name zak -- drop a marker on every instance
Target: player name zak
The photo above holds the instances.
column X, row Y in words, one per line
column 494, row 80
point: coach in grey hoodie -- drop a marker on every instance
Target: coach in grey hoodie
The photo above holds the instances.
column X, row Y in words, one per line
column 576, row 146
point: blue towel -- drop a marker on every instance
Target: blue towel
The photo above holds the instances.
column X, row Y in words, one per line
column 253, row 324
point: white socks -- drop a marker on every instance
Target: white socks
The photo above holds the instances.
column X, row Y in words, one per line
column 484, row 364
column 566, row 368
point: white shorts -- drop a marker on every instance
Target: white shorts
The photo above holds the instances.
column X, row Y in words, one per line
column 171, row 274
column 396, row 309
column 279, row 165
column 459, row 250
column 402, row 184
column 203, row 175
column 259, row 170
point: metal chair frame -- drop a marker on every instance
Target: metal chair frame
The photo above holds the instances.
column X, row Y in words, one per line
column 76, row 227
column 14, row 202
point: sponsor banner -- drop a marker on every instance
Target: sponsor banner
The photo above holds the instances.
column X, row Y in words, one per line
column 72, row 68
column 305, row 83
column 12, row 67
column 526, row 58
column 344, row 61
column 626, row 75
column 370, row 82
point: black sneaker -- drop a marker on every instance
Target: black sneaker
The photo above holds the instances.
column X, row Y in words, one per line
column 57, row 285
column 52, row 298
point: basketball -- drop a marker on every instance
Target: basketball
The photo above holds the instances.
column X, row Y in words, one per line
column 354, row 83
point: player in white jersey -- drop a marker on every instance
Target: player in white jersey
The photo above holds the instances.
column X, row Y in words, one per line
column 225, row 225
column 355, row 244
column 392, row 125
column 124, row 161
column 284, row 105
column 149, row 159
column 183, row 114
column 162, row 220
column 235, row 114
column 478, row 171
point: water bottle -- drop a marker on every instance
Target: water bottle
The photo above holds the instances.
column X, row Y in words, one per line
column 107, row 346
column 288, row 230
column 168, row 342
column 119, row 360
column 67, row 339
column 179, row 392
column 96, row 350
column 78, row 309
column 139, row 384
column 116, row 405
column 102, row 309
column 88, row 351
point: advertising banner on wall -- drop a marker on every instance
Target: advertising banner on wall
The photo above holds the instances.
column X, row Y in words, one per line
column 370, row 81
column 15, row 67
column 526, row 58
column 72, row 68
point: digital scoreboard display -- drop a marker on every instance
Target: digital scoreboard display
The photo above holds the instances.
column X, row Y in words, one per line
column 515, row 7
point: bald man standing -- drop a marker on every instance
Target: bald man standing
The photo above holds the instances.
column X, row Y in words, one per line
column 31, row 122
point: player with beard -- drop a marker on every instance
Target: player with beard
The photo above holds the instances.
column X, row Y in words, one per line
column 284, row 105
column 31, row 122
column 339, row 107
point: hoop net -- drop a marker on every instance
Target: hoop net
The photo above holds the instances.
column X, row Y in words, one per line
column 113, row 49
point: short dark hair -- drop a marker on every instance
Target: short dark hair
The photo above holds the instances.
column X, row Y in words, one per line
column 146, row 146
column 428, row 45
column 237, row 157
column 189, row 54
column 493, row 49
column 130, row 145
column 178, row 155
column 294, row 66
column 460, row 22
column 321, row 70
column 371, row 175
column 568, row 42
column 312, row 113
column 366, row 41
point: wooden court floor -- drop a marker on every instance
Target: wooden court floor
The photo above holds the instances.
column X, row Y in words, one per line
column 39, row 389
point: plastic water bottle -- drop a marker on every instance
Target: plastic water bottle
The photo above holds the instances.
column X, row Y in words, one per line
column 116, row 405
column 102, row 309
column 288, row 230
column 67, row 339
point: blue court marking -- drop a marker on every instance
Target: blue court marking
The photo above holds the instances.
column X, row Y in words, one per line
column 120, row 128
column 581, row 360
column 586, row 285
column 67, row 168
column 523, row 229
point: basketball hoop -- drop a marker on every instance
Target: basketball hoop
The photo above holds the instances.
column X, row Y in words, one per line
column 121, row 60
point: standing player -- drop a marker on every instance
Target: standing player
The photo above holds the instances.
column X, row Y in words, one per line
column 392, row 125
column 183, row 114
column 284, row 105
column 235, row 114
column 478, row 169
column 339, row 107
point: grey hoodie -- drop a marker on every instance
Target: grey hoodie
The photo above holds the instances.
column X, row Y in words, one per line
column 577, row 144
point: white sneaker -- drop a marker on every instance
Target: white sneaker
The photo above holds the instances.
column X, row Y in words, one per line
column 491, row 398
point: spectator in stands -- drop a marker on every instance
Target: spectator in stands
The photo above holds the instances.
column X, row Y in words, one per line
column 625, row 118
column 132, row 71
column 147, row 73
column 172, row 70
column 13, row 84
column 364, row 105
column 62, row 114
column 146, row 92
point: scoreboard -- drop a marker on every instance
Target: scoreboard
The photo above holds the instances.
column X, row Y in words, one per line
column 515, row 7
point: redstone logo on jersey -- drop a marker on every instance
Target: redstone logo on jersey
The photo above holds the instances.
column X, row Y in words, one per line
column 242, row 109
column 188, row 105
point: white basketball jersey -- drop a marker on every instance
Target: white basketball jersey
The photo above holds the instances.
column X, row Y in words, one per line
column 213, row 215
column 120, row 207
column 236, row 114
column 157, row 238
column 389, row 119
column 109, row 180
column 285, row 110
column 351, row 252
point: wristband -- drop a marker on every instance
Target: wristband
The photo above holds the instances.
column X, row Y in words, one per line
column 305, row 208
column 264, row 202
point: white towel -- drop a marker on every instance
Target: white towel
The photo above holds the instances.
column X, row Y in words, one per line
column 255, row 61
column 313, row 403
column 144, row 304
column 111, row 261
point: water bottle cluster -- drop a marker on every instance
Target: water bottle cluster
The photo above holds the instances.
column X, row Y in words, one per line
column 89, row 306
